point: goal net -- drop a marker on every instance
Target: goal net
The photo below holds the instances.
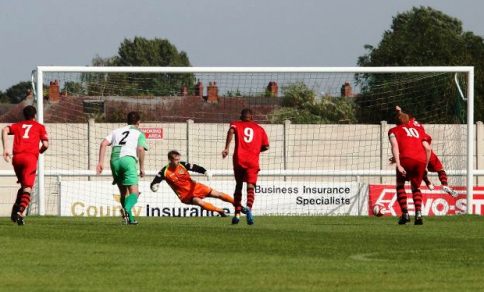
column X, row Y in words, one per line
column 327, row 129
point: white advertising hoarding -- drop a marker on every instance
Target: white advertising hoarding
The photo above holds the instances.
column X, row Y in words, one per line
column 98, row 199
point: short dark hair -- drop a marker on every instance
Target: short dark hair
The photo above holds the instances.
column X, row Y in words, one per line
column 246, row 114
column 173, row 153
column 29, row 112
column 133, row 118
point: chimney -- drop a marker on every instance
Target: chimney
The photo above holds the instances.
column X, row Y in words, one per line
column 54, row 94
column 212, row 92
column 199, row 89
column 184, row 90
column 346, row 90
column 29, row 95
column 272, row 88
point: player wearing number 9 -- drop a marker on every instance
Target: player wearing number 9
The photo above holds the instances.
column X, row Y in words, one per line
column 250, row 140
column 27, row 135
column 411, row 151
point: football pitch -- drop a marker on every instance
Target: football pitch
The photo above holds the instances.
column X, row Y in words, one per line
column 210, row 254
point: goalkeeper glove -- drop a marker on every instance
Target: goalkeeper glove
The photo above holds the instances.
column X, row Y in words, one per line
column 155, row 187
column 208, row 174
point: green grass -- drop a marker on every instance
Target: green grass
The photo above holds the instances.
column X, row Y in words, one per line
column 209, row 254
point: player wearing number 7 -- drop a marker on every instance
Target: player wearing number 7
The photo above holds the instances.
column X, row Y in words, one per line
column 250, row 140
column 128, row 148
column 27, row 135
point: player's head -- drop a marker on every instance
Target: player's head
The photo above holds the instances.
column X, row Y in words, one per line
column 246, row 114
column 402, row 118
column 133, row 118
column 174, row 157
column 29, row 112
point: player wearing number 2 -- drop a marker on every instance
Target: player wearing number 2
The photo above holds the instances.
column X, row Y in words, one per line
column 250, row 140
column 129, row 145
column 411, row 151
column 27, row 135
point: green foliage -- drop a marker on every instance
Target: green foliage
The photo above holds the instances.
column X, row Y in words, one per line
column 141, row 52
column 420, row 37
column 74, row 88
column 298, row 96
column 18, row 92
column 299, row 105
column 231, row 93
column 3, row 97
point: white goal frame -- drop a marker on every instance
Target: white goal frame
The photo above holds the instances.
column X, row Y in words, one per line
column 469, row 172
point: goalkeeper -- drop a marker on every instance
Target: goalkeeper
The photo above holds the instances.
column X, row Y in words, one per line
column 188, row 191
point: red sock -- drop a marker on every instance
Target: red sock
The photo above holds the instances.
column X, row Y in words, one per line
column 402, row 198
column 442, row 177
column 24, row 202
column 250, row 197
column 417, row 199
column 237, row 202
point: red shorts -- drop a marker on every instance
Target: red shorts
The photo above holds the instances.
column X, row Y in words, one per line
column 197, row 190
column 245, row 174
column 415, row 171
column 434, row 163
column 25, row 166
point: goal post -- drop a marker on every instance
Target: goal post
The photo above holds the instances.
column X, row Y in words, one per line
column 151, row 88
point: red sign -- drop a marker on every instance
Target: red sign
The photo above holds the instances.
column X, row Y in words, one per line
column 153, row 133
column 434, row 203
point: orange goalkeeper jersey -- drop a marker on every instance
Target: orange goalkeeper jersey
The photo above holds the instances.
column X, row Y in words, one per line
column 179, row 178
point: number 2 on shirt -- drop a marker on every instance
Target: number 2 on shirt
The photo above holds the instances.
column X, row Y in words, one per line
column 248, row 135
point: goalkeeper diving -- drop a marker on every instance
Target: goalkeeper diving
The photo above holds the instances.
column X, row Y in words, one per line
column 177, row 175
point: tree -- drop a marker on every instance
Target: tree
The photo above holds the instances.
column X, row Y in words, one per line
column 299, row 105
column 420, row 37
column 141, row 52
column 18, row 92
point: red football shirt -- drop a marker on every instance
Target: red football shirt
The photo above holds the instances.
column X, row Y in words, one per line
column 419, row 126
column 409, row 139
column 27, row 136
column 249, row 139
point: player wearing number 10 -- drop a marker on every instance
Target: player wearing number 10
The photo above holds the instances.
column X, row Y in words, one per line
column 129, row 145
column 250, row 140
column 411, row 151
column 26, row 138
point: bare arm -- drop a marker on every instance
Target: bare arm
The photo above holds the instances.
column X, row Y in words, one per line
column 396, row 154
column 45, row 146
column 102, row 152
column 428, row 152
column 230, row 135
column 141, row 159
column 6, row 152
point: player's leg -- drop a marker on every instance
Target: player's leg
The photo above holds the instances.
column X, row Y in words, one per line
column 402, row 198
column 239, row 174
column 208, row 206
column 123, row 192
column 251, row 180
column 130, row 180
column 27, row 166
column 415, row 180
column 16, row 205
column 435, row 165
column 221, row 196
column 131, row 200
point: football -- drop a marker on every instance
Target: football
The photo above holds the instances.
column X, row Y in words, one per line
column 378, row 210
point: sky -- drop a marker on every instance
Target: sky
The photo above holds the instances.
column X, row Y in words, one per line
column 212, row 32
